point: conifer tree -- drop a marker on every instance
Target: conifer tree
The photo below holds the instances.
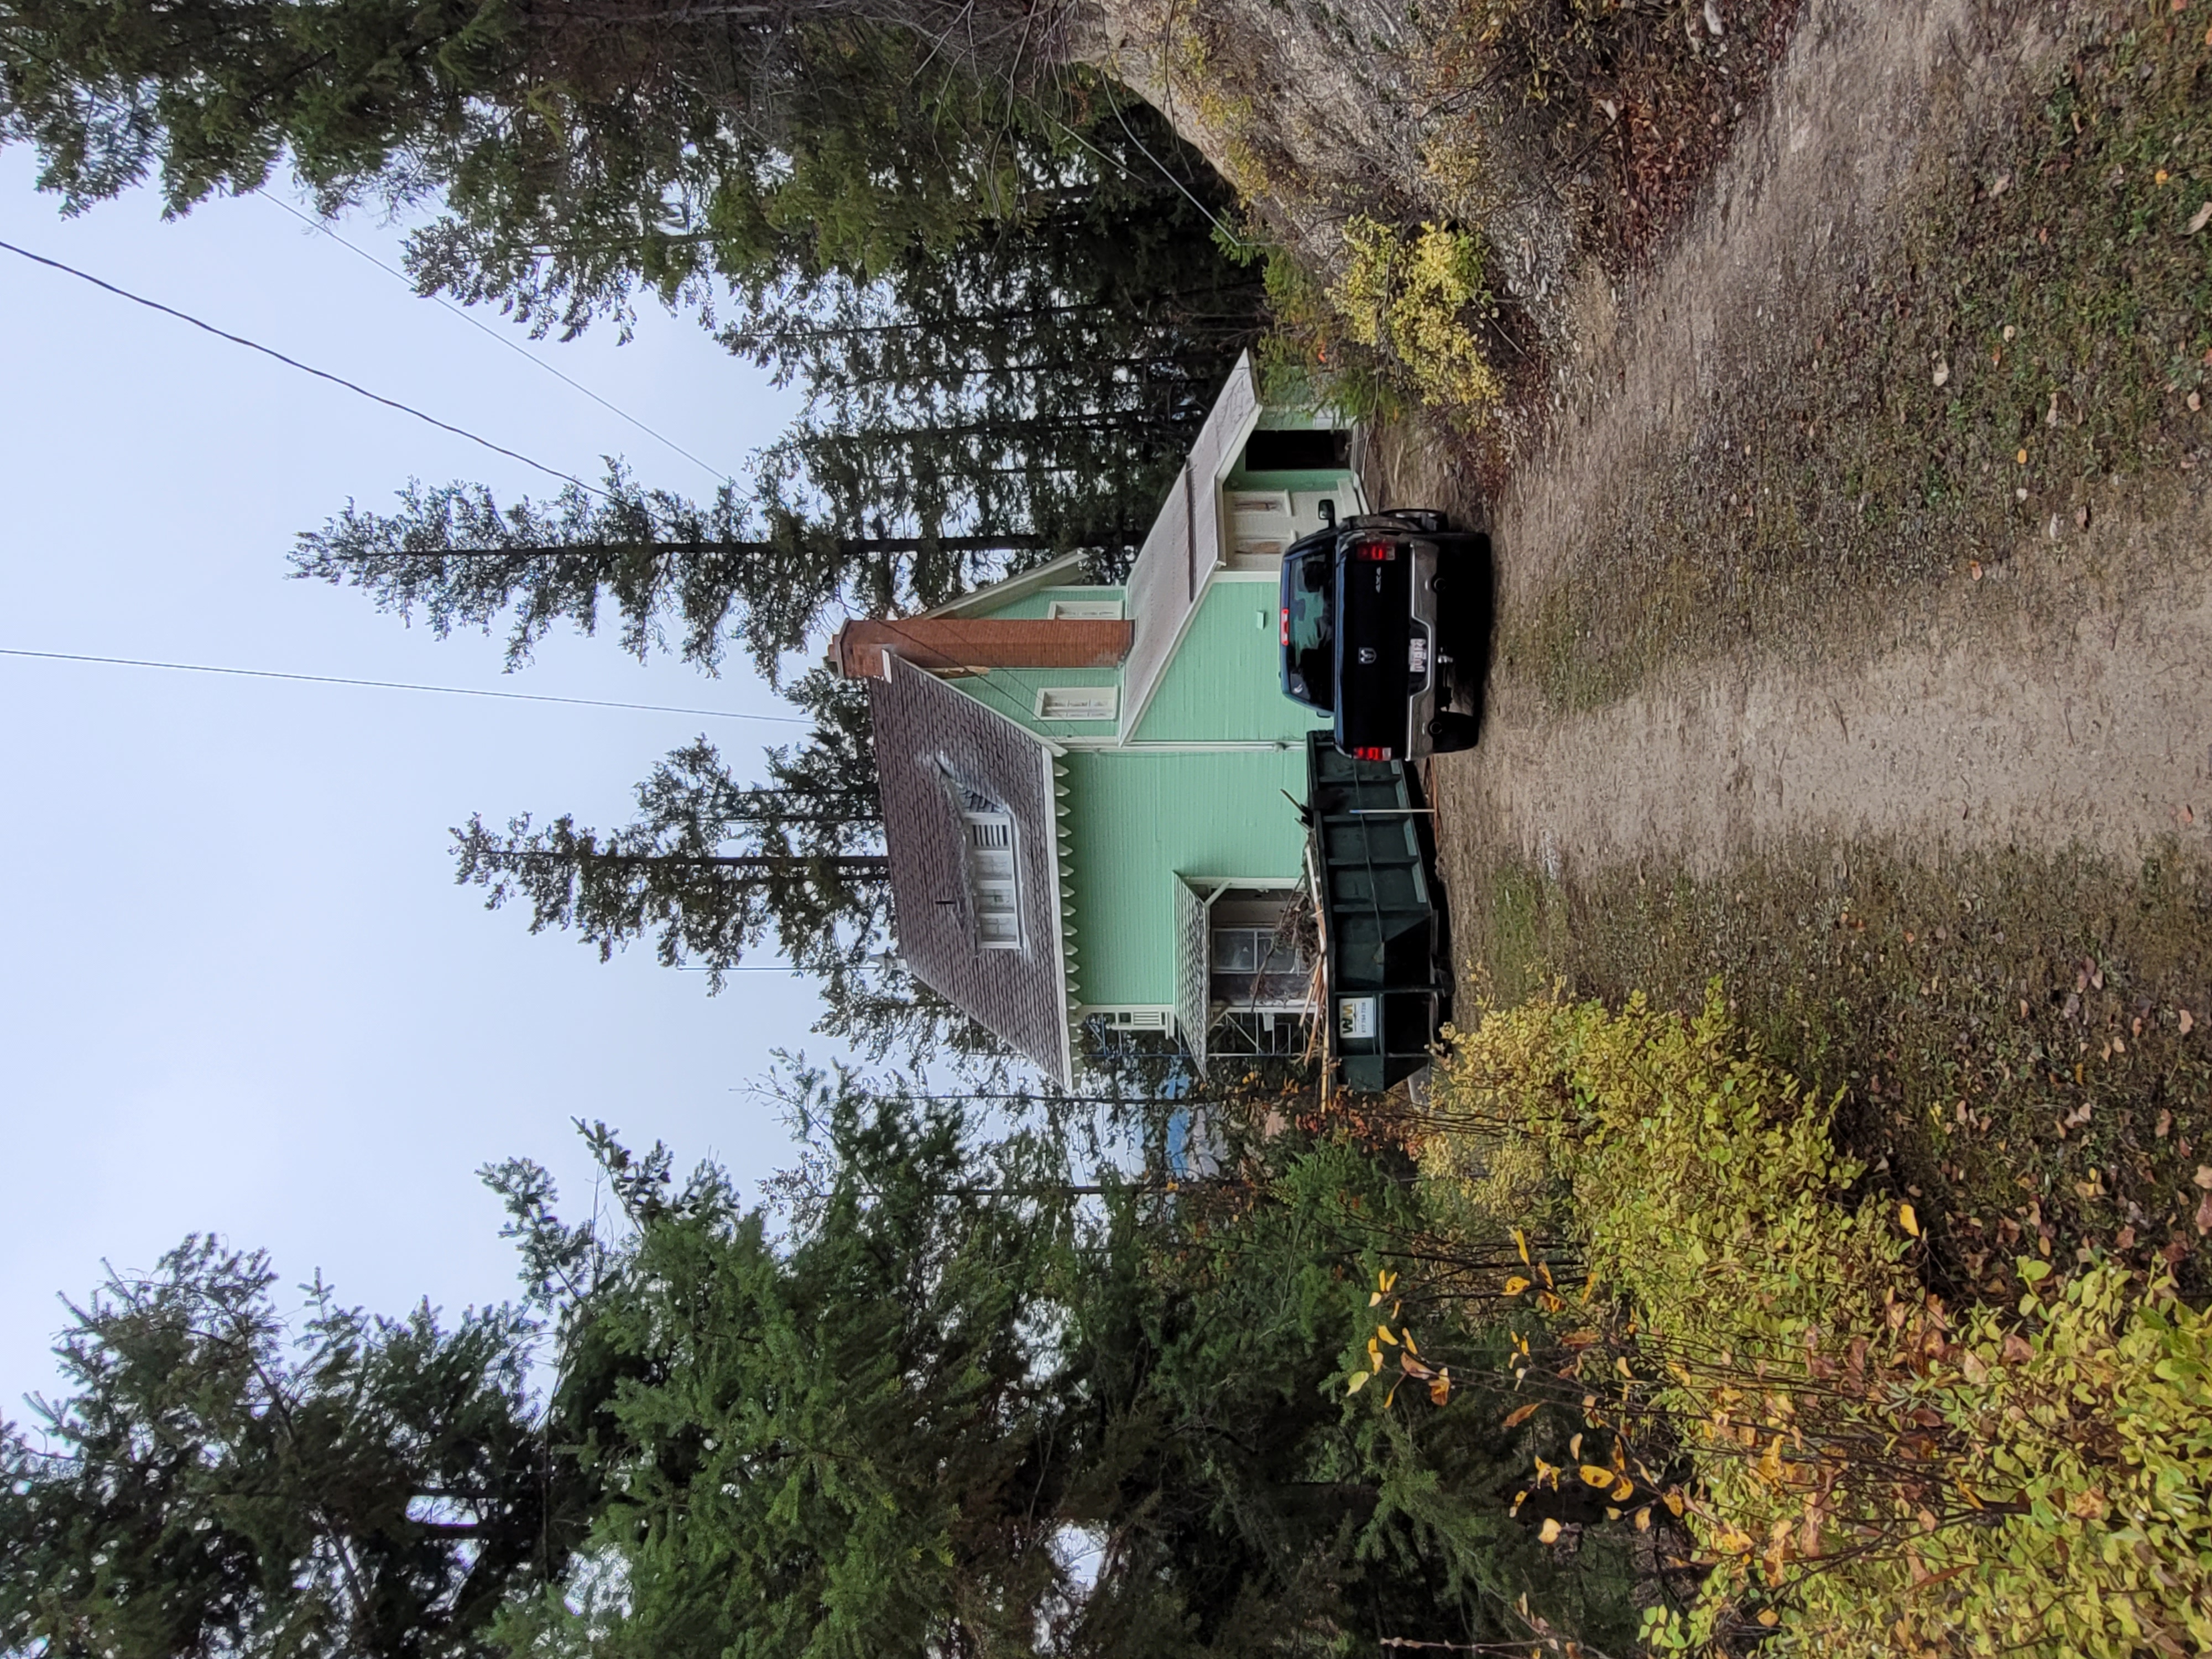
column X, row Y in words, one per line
column 223, row 1480
column 841, row 1440
column 576, row 151
column 713, row 574
column 709, row 868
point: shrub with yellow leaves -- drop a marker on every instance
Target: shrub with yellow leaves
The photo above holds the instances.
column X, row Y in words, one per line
column 1420, row 298
column 1871, row 1475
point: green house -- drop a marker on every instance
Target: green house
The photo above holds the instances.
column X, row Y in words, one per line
column 1084, row 787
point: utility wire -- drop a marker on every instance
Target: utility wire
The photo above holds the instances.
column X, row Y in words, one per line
column 478, row 324
column 291, row 362
column 400, row 685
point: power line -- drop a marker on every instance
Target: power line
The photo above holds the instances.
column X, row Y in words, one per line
column 399, row 685
column 304, row 368
column 478, row 324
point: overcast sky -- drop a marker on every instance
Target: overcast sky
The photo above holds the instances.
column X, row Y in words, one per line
column 242, row 993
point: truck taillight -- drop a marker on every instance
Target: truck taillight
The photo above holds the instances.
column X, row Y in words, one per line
column 1371, row 754
column 1287, row 625
column 1374, row 552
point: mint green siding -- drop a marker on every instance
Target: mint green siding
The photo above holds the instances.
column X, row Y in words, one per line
column 1138, row 821
column 1224, row 684
column 1320, row 481
column 1014, row 691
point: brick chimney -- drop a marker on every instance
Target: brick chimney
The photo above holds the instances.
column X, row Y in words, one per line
column 945, row 645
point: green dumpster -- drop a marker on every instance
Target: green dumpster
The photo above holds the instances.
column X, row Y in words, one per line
column 1387, row 984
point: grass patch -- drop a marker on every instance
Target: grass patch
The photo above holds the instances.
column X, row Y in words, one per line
column 2005, row 1030
column 2034, row 340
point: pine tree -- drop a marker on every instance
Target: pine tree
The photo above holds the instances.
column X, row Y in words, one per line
column 799, row 875
column 220, row 1483
column 1051, row 374
column 714, row 574
column 841, row 1441
column 712, row 869
column 1243, row 1493
column 577, row 151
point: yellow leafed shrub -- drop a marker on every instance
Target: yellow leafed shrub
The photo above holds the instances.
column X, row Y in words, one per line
column 1419, row 298
column 1872, row 1475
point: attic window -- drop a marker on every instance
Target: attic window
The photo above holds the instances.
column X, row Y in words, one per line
column 993, row 890
column 1085, row 610
column 1076, row 703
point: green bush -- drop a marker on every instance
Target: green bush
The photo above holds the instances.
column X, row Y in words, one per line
column 1868, row 1473
column 1419, row 298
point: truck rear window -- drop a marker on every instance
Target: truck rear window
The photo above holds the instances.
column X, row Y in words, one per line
column 1309, row 629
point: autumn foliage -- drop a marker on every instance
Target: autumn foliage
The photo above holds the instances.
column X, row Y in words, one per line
column 1859, row 1469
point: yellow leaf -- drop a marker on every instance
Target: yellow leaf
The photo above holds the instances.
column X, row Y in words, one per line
column 1547, row 1474
column 1440, row 1390
column 1768, row 1617
column 1674, row 1500
column 1575, row 1447
column 1386, row 1281
column 1548, row 1533
column 1521, row 1243
column 1769, row 1465
column 1382, row 1334
column 1373, row 1298
column 1516, row 1285
column 1410, row 1347
column 1544, row 1273
column 1521, row 1414
column 1548, row 1302
column 1596, row 1474
column 1623, row 1489
column 1643, row 1519
column 1389, row 1397
column 1907, row 1220
column 1359, row 1381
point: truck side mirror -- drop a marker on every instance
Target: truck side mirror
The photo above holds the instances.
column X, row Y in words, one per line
column 1327, row 514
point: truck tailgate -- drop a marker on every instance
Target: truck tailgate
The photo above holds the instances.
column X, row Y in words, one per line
column 1374, row 629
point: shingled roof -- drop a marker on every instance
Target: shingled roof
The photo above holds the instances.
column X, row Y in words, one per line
column 938, row 751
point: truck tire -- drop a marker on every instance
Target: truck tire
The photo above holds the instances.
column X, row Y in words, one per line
column 1449, row 733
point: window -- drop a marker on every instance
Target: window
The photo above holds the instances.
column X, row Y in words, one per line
column 1085, row 610
column 1078, row 703
column 1253, row 951
column 992, row 887
column 1138, row 1019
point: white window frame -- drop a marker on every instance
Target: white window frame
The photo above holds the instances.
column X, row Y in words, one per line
column 1084, row 610
column 994, row 896
column 1135, row 1017
column 1106, row 696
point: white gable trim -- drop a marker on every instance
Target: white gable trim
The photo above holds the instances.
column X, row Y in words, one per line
column 1184, row 547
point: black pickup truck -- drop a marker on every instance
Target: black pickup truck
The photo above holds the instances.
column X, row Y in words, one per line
column 1364, row 633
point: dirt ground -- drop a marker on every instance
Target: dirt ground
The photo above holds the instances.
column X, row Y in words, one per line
column 1784, row 625
column 2056, row 701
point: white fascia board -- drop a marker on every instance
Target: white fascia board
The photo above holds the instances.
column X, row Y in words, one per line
column 1067, row 1004
column 1205, row 497
column 1048, row 574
